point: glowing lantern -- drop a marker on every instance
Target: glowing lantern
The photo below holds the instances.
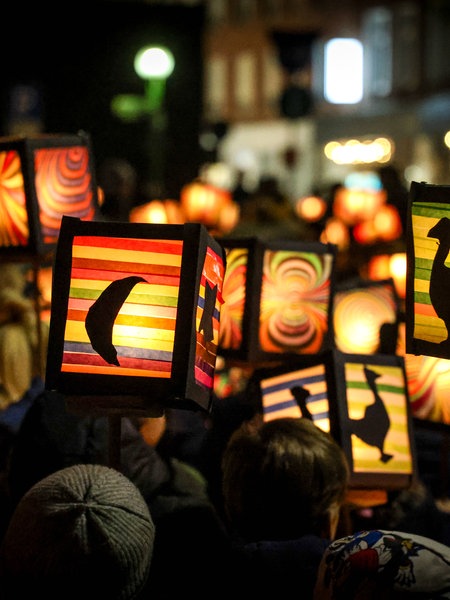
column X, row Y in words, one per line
column 42, row 178
column 157, row 211
column 384, row 266
column 135, row 315
column 362, row 400
column 277, row 299
column 361, row 308
column 335, row 232
column 311, row 208
column 354, row 205
column 203, row 203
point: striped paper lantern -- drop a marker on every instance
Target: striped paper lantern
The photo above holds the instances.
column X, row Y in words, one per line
column 427, row 304
column 362, row 400
column 135, row 312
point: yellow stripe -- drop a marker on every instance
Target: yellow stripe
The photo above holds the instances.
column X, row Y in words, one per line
column 127, row 256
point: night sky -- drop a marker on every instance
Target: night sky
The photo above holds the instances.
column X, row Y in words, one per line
column 78, row 61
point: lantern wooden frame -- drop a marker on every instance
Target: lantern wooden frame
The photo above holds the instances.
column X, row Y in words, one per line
column 427, row 306
column 264, row 277
column 43, row 177
column 339, row 399
column 174, row 315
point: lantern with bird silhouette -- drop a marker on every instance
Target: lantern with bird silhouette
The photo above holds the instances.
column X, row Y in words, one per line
column 42, row 178
column 135, row 315
column 362, row 400
column 427, row 316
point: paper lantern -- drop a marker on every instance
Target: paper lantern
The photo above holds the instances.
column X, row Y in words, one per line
column 277, row 299
column 43, row 178
column 393, row 265
column 362, row 400
column 135, row 315
column 365, row 313
column 428, row 271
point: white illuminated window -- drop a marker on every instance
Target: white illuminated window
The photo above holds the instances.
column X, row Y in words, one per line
column 343, row 71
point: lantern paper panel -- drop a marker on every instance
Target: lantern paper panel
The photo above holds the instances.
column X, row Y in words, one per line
column 427, row 303
column 42, row 178
column 362, row 400
column 278, row 299
column 135, row 314
column 366, row 316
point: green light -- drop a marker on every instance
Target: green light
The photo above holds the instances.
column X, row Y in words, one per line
column 154, row 63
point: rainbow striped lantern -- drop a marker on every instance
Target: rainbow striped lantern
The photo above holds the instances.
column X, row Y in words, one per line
column 278, row 299
column 135, row 316
column 427, row 301
column 42, row 178
column 362, row 400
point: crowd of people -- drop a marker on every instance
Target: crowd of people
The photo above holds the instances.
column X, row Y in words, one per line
column 199, row 504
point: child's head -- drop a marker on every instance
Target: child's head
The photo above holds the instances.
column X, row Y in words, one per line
column 283, row 479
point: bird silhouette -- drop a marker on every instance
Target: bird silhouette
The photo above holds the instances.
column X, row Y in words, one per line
column 373, row 427
column 440, row 275
column 300, row 394
column 206, row 322
column 100, row 318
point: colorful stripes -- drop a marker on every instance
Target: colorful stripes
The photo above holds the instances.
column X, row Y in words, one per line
column 144, row 329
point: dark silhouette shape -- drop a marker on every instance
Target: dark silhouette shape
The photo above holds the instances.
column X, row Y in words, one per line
column 440, row 275
column 300, row 394
column 372, row 428
column 102, row 314
column 206, row 322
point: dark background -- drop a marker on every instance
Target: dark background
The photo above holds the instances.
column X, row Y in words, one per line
column 80, row 59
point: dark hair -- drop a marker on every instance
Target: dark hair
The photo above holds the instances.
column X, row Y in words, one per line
column 281, row 478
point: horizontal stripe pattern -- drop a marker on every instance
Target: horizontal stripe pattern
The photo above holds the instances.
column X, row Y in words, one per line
column 144, row 329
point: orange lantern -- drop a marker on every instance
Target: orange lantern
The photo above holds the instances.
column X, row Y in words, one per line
column 157, row 211
column 203, row 203
column 355, row 205
column 383, row 266
column 311, row 208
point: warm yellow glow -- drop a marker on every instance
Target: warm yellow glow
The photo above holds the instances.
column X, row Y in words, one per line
column 311, row 208
column 335, row 232
column 354, row 151
column 157, row 211
column 358, row 334
column 390, row 265
column 447, row 139
column 354, row 205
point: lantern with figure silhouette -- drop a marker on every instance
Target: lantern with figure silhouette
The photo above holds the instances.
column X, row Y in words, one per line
column 135, row 315
column 362, row 400
column 278, row 299
column 43, row 177
column 427, row 315
column 366, row 316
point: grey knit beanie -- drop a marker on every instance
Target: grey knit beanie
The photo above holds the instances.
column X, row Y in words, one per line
column 82, row 532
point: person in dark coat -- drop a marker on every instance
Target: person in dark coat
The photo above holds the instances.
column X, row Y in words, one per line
column 284, row 485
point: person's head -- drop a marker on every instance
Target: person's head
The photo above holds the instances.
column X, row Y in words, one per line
column 374, row 564
column 283, row 479
column 82, row 532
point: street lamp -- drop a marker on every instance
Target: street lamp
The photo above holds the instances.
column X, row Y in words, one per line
column 153, row 64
